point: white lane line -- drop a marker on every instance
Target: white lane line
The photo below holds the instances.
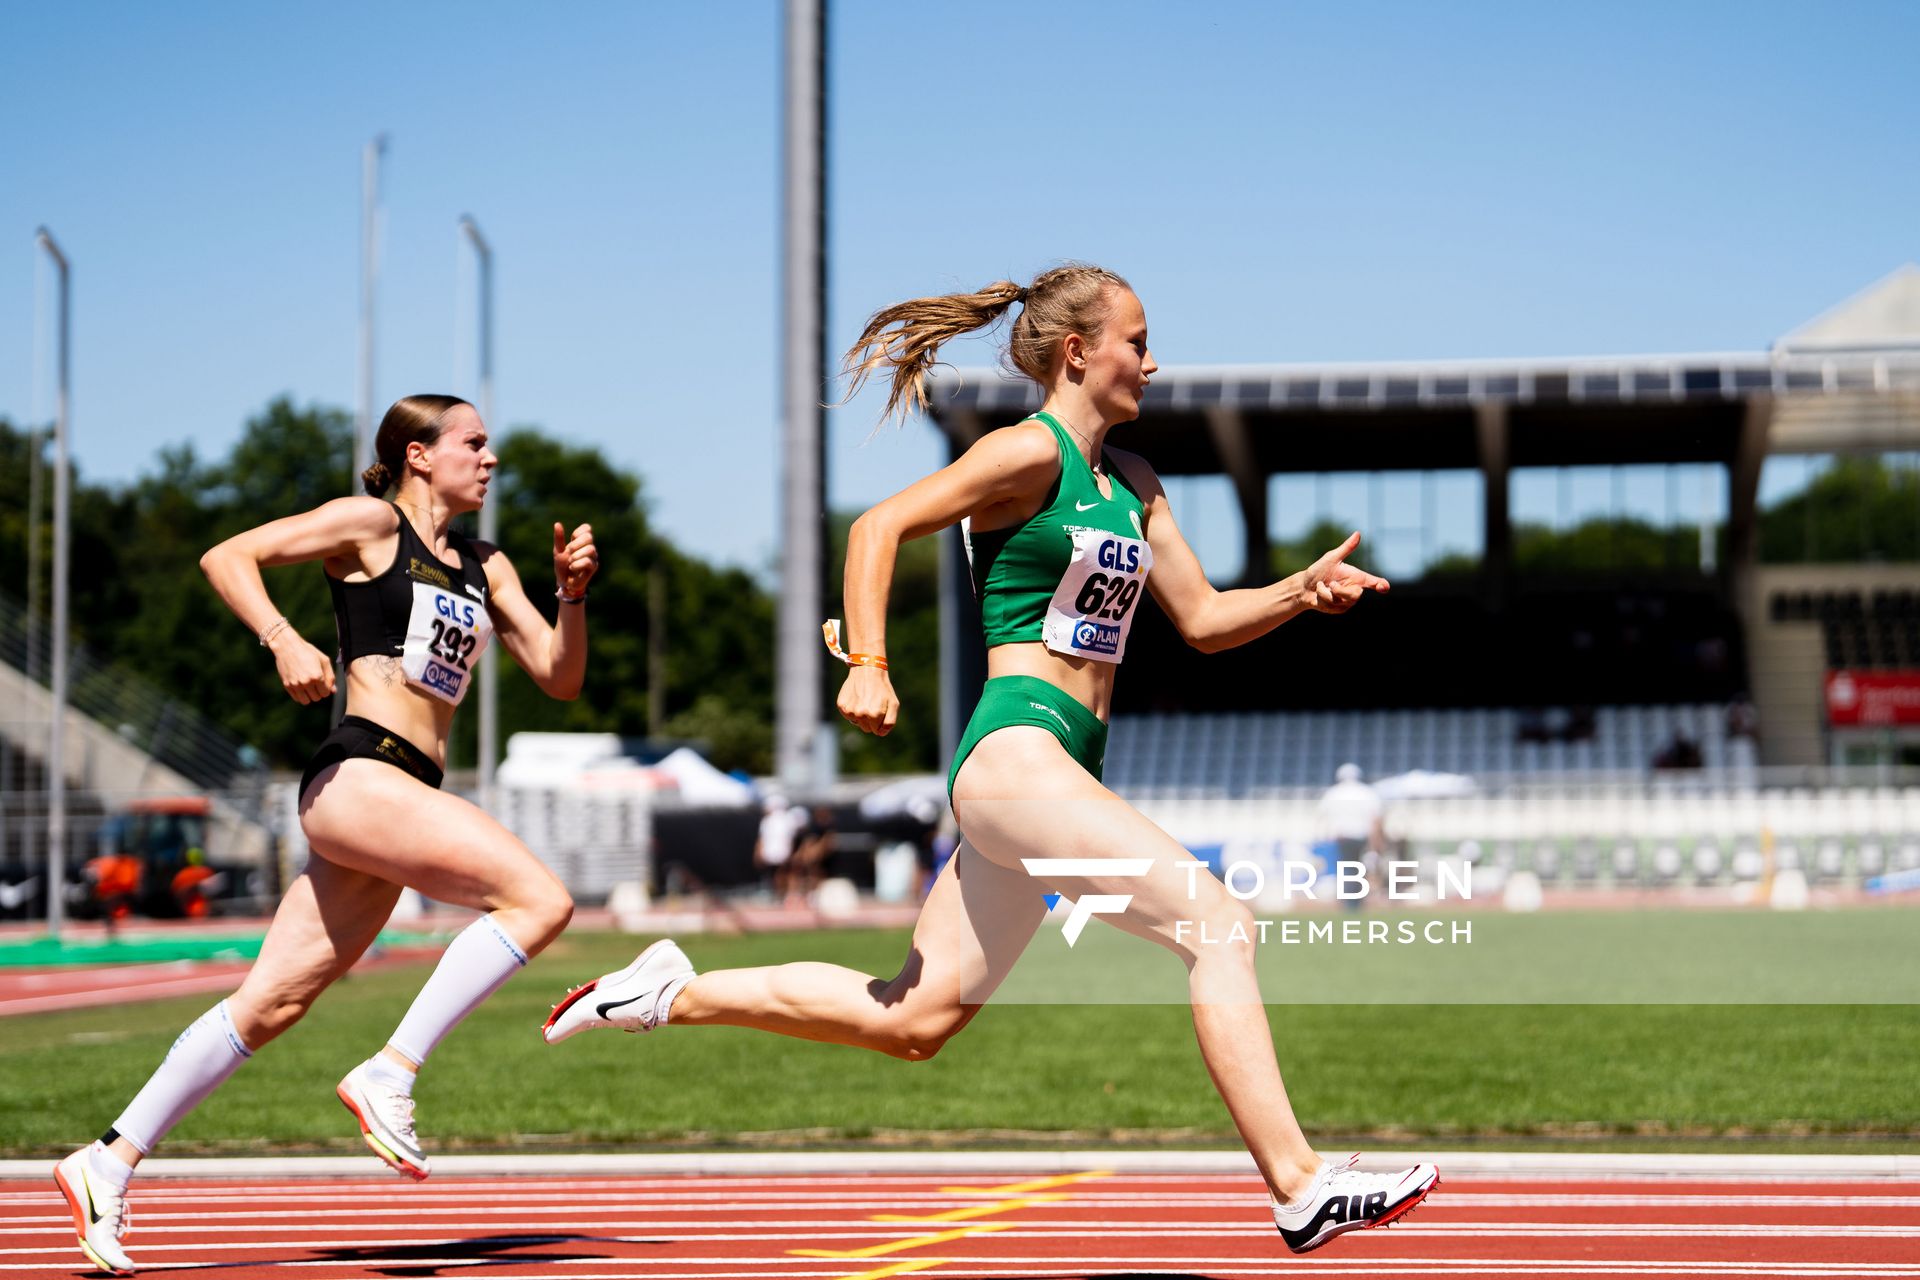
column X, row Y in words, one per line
column 123, row 976
column 1377, row 1267
column 535, row 1200
column 570, row 1209
column 578, row 1206
column 1171, row 1166
column 348, row 1181
column 695, row 1233
column 598, row 1229
column 1325, row 1269
column 120, row 995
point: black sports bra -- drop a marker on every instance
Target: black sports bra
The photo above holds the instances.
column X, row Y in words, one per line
column 430, row 615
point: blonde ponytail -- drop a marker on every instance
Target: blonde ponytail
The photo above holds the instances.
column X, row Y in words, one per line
column 1072, row 298
column 908, row 335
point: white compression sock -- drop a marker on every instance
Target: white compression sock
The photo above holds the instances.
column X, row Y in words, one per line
column 384, row 1070
column 474, row 967
column 108, row 1166
column 663, row 1007
column 206, row 1053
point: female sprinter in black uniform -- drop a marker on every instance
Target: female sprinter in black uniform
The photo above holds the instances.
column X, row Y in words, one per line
column 414, row 605
column 1063, row 533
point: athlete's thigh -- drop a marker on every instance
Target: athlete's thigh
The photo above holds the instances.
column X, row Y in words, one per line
column 1020, row 796
column 977, row 919
column 328, row 918
column 372, row 817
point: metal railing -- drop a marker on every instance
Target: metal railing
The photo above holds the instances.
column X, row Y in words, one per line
column 172, row 732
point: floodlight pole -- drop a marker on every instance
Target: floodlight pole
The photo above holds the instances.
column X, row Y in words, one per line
column 57, row 730
column 369, row 278
column 800, row 759
column 35, row 513
column 370, row 159
column 489, row 513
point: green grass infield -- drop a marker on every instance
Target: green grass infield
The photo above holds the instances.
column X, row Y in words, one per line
column 1613, row 1076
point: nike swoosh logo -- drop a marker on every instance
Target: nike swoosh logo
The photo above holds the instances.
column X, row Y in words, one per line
column 1085, row 506
column 609, row 1005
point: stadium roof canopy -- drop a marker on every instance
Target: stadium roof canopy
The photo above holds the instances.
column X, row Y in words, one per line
column 1847, row 380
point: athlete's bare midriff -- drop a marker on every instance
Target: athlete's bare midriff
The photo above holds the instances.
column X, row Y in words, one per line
column 1088, row 682
column 378, row 691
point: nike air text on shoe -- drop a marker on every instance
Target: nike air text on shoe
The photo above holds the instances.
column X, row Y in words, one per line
column 1343, row 1198
column 635, row 998
column 386, row 1121
column 99, row 1213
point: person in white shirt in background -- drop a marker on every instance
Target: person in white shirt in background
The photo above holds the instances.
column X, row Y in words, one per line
column 1351, row 815
column 779, row 824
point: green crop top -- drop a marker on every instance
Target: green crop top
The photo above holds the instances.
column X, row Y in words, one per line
column 1072, row 575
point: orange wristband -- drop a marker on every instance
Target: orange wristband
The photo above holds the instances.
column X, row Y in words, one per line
column 830, row 631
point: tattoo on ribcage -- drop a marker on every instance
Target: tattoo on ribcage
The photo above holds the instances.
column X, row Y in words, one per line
column 389, row 669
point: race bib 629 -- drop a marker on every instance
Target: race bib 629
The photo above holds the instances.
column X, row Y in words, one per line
column 1092, row 608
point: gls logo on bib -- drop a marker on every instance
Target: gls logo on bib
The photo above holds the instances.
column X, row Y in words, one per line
column 1121, row 554
column 455, row 611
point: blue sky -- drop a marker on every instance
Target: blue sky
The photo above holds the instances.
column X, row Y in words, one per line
column 1281, row 182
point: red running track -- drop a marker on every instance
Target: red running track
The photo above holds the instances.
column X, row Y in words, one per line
column 869, row 1226
column 51, row 990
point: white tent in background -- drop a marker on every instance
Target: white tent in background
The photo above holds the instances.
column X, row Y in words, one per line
column 557, row 759
column 921, row 797
column 699, row 782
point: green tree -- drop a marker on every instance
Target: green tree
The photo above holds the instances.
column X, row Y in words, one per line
column 1286, row 557
column 731, row 736
column 1859, row 508
column 718, row 621
column 542, row 481
column 16, row 468
column 1605, row 545
column 179, row 633
column 139, row 599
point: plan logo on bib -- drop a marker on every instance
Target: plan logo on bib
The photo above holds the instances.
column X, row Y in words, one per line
column 1096, row 637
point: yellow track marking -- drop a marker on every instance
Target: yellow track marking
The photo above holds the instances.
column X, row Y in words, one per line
column 1021, row 1188
column 877, row 1250
column 970, row 1211
column 1011, row 1196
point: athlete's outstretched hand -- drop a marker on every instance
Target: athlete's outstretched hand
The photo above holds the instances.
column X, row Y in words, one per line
column 574, row 559
column 1330, row 585
column 867, row 700
column 305, row 672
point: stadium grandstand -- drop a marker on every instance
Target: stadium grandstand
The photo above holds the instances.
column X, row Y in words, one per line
column 1597, row 717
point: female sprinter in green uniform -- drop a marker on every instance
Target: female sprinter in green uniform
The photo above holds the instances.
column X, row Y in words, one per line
column 1063, row 534
column 414, row 605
